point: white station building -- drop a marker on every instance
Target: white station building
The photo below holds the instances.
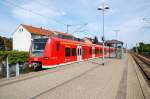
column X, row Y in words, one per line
column 23, row 35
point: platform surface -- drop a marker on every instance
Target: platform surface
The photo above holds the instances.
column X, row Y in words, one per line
column 117, row 79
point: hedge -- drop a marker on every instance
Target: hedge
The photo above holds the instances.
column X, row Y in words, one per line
column 14, row 56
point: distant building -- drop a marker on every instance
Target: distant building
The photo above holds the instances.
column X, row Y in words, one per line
column 116, row 44
column 113, row 43
column 90, row 41
column 23, row 35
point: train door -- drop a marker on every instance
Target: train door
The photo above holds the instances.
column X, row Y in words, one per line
column 93, row 52
column 79, row 53
column 58, row 52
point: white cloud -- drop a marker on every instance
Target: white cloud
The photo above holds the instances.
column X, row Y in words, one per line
column 131, row 31
column 124, row 15
column 34, row 7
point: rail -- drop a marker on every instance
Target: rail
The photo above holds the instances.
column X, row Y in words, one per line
column 144, row 66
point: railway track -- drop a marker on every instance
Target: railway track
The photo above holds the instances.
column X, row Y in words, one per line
column 144, row 66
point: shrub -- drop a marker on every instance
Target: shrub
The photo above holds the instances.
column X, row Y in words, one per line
column 14, row 56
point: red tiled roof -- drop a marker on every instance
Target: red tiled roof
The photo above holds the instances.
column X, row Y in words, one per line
column 113, row 42
column 38, row 31
column 41, row 31
column 62, row 33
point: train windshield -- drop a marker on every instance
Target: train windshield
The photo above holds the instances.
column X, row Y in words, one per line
column 38, row 46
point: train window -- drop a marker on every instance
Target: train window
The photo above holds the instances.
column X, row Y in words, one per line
column 80, row 51
column 83, row 51
column 67, row 52
column 74, row 52
column 90, row 51
column 93, row 51
column 106, row 51
column 101, row 51
column 57, row 47
column 96, row 51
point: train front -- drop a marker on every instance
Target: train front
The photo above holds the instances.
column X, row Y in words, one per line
column 36, row 53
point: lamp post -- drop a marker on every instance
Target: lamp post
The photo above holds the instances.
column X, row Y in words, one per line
column 103, row 8
column 116, row 31
column 68, row 25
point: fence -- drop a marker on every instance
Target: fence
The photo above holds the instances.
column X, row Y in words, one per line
column 14, row 69
column 17, row 62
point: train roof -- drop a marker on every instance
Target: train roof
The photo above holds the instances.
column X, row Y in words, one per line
column 74, row 42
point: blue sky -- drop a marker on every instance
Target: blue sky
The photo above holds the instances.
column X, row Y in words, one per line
column 124, row 15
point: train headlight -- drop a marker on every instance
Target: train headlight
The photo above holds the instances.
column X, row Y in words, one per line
column 45, row 58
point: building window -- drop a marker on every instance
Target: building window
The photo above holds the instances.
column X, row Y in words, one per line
column 67, row 52
column 74, row 52
column 20, row 30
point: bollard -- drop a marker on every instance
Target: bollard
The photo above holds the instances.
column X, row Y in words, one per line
column 7, row 68
column 17, row 69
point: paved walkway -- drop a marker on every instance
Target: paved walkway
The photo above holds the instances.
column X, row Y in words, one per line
column 118, row 79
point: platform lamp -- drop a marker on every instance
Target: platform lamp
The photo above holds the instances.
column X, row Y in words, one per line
column 103, row 8
column 116, row 31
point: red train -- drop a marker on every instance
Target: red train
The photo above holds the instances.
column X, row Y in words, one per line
column 52, row 52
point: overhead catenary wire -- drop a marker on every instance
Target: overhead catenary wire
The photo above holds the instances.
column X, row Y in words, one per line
column 67, row 25
column 70, row 25
column 147, row 20
column 78, row 29
column 10, row 3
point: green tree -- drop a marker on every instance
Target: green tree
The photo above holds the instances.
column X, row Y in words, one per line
column 2, row 47
column 143, row 47
column 95, row 40
column 5, row 44
column 8, row 44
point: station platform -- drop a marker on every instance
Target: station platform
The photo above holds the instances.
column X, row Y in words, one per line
column 117, row 79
